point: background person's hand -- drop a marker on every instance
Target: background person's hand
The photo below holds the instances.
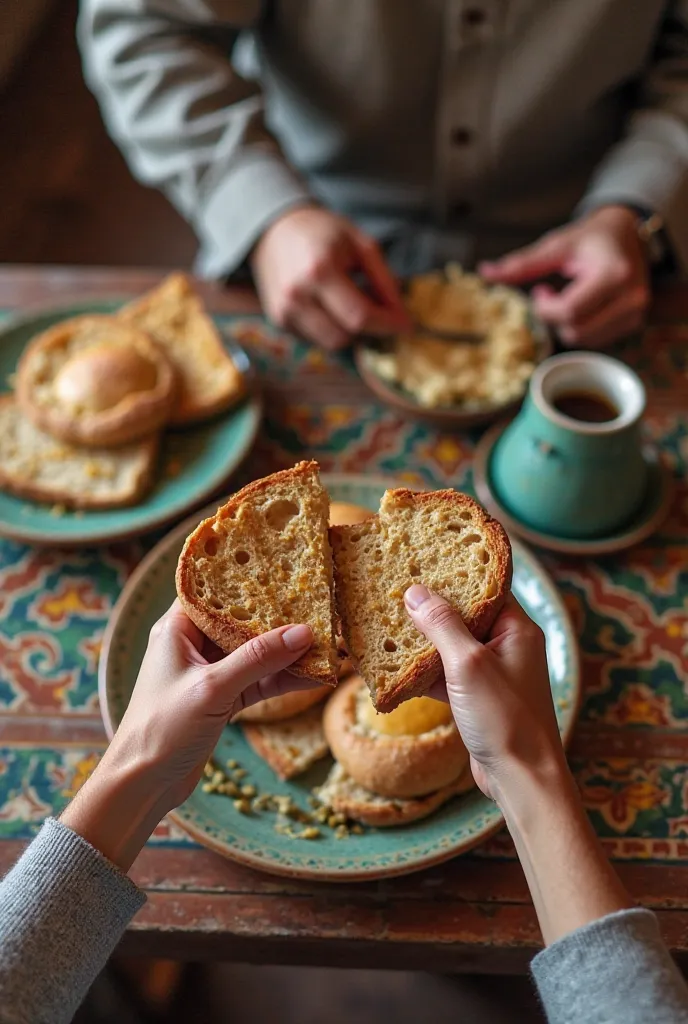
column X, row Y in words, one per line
column 302, row 267
column 499, row 691
column 608, row 293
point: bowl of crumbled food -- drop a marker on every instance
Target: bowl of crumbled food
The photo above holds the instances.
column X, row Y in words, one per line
column 469, row 358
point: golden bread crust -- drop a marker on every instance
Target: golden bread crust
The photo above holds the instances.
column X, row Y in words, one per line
column 285, row 705
column 174, row 314
column 424, row 669
column 227, row 632
column 393, row 766
column 137, row 414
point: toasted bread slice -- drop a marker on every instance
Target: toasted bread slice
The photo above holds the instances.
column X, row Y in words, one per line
column 173, row 314
column 442, row 539
column 36, row 466
column 292, row 746
column 344, row 796
column 284, row 706
column 264, row 561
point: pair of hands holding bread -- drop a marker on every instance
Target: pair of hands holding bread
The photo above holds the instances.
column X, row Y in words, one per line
column 499, row 692
column 188, row 689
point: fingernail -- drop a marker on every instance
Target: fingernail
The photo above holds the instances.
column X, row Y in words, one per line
column 297, row 637
column 416, row 595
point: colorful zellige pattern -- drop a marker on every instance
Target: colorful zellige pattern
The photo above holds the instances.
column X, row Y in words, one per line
column 630, row 751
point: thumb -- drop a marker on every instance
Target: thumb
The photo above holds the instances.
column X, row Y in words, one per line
column 444, row 628
column 544, row 257
column 261, row 656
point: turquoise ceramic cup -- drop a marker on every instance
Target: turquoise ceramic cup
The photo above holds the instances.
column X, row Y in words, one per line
column 569, row 477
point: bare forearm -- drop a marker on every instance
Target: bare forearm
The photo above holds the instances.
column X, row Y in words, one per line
column 570, row 880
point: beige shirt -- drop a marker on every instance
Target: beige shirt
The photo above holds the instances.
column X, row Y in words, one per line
column 450, row 129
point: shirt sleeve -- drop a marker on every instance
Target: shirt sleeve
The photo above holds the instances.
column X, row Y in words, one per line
column 186, row 121
column 648, row 168
column 614, row 970
column 63, row 908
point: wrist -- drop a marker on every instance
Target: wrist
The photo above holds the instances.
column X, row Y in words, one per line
column 119, row 806
column 521, row 789
column 274, row 225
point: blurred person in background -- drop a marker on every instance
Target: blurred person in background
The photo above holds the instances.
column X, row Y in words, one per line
column 324, row 144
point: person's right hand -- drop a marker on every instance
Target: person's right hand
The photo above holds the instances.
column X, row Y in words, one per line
column 302, row 267
column 499, row 691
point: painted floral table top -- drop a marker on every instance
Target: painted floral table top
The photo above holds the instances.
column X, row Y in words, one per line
column 630, row 749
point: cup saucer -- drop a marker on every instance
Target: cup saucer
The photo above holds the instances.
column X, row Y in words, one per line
column 648, row 518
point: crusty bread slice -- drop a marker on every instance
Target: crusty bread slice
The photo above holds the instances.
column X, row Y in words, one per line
column 173, row 314
column 263, row 560
column 34, row 465
column 344, row 796
column 292, row 746
column 285, row 705
column 442, row 539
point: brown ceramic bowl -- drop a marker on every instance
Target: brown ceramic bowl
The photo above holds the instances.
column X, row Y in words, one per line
column 454, row 417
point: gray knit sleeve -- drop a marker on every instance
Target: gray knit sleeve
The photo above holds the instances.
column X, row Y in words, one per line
column 63, row 908
column 613, row 971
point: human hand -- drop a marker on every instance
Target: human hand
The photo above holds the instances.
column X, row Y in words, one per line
column 605, row 262
column 187, row 690
column 499, row 691
column 185, row 693
column 302, row 266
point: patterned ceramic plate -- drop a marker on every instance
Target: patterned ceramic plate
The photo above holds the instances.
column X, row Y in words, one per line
column 252, row 840
column 193, row 463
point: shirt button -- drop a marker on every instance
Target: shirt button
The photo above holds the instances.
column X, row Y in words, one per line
column 474, row 16
column 462, row 136
column 460, row 209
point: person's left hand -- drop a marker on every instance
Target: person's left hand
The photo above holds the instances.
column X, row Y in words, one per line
column 606, row 265
column 186, row 691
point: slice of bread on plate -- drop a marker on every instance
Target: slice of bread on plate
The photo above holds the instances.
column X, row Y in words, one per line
column 344, row 796
column 36, row 466
column 292, row 746
column 442, row 539
column 262, row 561
column 174, row 315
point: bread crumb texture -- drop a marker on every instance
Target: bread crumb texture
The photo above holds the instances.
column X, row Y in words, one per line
column 442, row 539
column 265, row 561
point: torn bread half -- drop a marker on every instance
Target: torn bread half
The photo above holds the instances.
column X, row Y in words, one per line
column 262, row 561
column 442, row 539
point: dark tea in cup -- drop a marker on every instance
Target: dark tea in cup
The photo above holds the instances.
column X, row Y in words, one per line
column 585, row 406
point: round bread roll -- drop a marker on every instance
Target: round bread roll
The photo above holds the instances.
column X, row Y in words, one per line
column 409, row 752
column 96, row 382
column 344, row 514
column 344, row 796
column 286, row 705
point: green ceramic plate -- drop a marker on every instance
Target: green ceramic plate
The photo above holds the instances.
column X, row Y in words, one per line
column 202, row 458
column 214, row 822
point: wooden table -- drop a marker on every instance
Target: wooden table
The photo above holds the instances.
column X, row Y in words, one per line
column 629, row 754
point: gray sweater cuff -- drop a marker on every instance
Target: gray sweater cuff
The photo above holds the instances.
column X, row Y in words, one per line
column 614, row 969
column 648, row 169
column 258, row 189
column 64, row 908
